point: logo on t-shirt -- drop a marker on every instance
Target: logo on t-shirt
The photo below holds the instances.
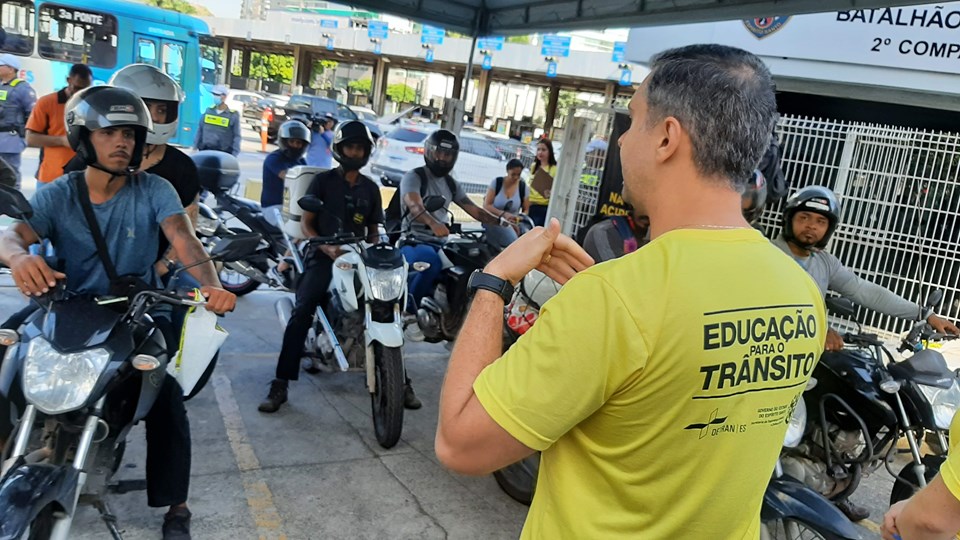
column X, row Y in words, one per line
column 705, row 427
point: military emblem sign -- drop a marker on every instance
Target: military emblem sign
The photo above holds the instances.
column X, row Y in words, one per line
column 762, row 27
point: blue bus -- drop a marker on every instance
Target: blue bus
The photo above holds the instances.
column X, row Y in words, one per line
column 106, row 35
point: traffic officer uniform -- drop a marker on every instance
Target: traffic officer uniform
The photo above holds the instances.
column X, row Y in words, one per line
column 17, row 99
column 219, row 130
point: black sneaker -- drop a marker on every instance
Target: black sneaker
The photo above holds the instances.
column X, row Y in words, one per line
column 854, row 512
column 410, row 400
column 276, row 397
column 176, row 524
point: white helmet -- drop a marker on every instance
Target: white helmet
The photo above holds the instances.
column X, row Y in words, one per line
column 151, row 84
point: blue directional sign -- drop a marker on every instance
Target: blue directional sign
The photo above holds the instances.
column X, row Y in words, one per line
column 552, row 69
column 378, row 30
column 376, row 48
column 625, row 76
column 328, row 23
column 619, row 47
column 431, row 35
column 487, row 62
column 554, row 45
column 429, row 55
column 492, row 43
column 329, row 43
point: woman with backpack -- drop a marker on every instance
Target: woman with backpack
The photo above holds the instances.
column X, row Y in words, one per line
column 506, row 195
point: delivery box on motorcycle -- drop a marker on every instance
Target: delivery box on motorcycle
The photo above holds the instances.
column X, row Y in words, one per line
column 295, row 185
column 218, row 171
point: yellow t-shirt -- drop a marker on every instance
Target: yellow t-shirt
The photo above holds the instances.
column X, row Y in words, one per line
column 535, row 197
column 658, row 387
column 950, row 470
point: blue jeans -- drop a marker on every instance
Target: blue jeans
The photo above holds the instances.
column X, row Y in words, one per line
column 421, row 283
column 500, row 236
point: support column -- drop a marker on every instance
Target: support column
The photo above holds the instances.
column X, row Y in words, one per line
column 457, row 86
column 245, row 63
column 378, row 90
column 306, row 68
column 609, row 93
column 297, row 68
column 226, row 62
column 551, row 109
column 483, row 92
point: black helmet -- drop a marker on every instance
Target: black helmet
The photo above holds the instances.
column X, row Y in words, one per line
column 353, row 131
column 293, row 129
column 816, row 199
column 440, row 140
column 754, row 197
column 101, row 107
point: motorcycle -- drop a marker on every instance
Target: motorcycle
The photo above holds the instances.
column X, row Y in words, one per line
column 441, row 314
column 219, row 174
column 866, row 401
column 87, row 370
column 790, row 509
column 364, row 330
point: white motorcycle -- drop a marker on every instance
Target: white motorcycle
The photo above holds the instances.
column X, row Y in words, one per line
column 360, row 325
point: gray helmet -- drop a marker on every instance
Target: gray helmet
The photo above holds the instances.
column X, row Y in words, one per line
column 816, row 199
column 150, row 83
column 293, row 129
column 101, row 107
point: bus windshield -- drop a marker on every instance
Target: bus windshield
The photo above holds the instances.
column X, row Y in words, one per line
column 17, row 26
column 77, row 36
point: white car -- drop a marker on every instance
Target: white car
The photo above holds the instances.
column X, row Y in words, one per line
column 401, row 150
column 238, row 99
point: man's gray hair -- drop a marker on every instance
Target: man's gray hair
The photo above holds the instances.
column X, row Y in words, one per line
column 724, row 98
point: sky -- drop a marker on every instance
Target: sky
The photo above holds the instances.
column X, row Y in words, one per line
column 221, row 8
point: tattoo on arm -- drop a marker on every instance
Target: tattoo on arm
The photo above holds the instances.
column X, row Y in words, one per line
column 184, row 241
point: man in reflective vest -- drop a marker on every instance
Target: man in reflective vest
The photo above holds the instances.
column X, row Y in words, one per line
column 16, row 102
column 219, row 128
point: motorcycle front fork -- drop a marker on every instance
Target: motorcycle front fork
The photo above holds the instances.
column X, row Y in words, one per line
column 919, row 469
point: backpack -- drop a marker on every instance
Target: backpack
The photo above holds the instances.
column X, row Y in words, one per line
column 777, row 184
column 393, row 215
column 523, row 189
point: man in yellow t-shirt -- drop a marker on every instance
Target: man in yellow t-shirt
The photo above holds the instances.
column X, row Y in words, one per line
column 934, row 512
column 657, row 385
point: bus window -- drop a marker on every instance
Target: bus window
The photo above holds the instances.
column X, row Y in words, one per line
column 78, row 36
column 17, row 27
column 146, row 51
column 173, row 61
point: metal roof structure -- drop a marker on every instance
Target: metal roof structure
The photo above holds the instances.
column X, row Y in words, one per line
column 512, row 17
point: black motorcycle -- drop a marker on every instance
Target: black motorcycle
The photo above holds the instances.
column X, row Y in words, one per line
column 87, row 368
column 866, row 400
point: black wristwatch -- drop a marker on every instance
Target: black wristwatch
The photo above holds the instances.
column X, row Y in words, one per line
column 479, row 280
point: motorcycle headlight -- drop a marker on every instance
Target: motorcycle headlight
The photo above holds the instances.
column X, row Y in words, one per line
column 945, row 402
column 385, row 285
column 796, row 425
column 207, row 226
column 57, row 383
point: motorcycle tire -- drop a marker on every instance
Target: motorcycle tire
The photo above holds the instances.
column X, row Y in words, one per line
column 244, row 285
column 906, row 482
column 793, row 529
column 41, row 528
column 387, row 400
column 519, row 480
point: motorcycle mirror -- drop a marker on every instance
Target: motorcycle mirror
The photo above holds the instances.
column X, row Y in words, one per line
column 236, row 247
column 434, row 202
column 934, row 299
column 14, row 204
column 311, row 203
column 841, row 306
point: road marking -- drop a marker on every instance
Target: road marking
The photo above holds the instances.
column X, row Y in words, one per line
column 867, row 524
column 259, row 498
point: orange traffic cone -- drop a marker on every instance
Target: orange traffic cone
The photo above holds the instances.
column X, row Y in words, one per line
column 263, row 140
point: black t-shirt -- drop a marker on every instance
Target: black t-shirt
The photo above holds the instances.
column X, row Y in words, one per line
column 176, row 168
column 357, row 206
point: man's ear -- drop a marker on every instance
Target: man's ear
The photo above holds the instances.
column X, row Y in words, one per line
column 670, row 135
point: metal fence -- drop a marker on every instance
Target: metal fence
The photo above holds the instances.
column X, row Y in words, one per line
column 897, row 187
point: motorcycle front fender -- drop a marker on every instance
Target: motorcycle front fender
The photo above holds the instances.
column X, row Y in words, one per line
column 787, row 497
column 28, row 489
column 387, row 334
